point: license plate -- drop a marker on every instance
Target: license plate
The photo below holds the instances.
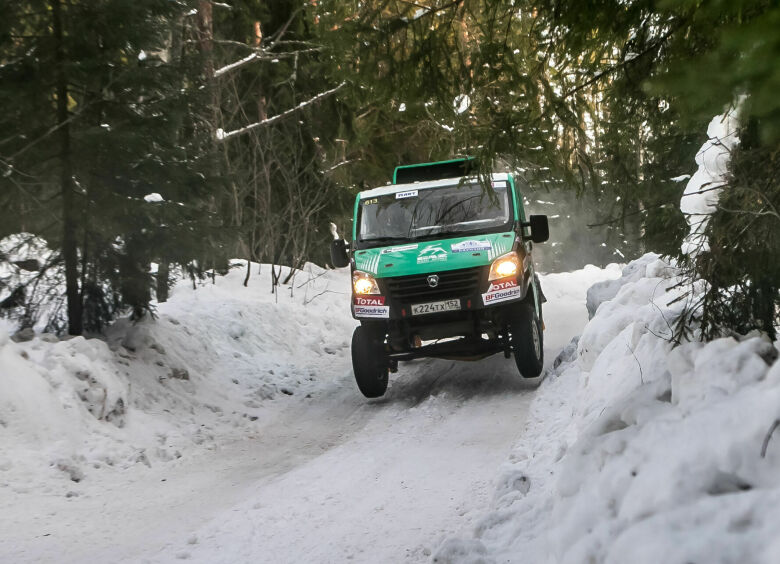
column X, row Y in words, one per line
column 435, row 307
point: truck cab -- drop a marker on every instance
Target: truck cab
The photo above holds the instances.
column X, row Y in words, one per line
column 441, row 263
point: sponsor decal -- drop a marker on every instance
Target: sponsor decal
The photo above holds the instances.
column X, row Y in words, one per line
column 470, row 245
column 432, row 253
column 372, row 311
column 502, row 285
column 501, row 292
column 369, row 301
column 407, row 194
column 399, row 249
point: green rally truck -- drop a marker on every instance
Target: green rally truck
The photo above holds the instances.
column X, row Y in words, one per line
column 442, row 267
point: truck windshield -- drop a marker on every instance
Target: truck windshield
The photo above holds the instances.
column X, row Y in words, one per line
column 414, row 214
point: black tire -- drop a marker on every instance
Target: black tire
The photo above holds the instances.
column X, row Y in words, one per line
column 369, row 362
column 527, row 340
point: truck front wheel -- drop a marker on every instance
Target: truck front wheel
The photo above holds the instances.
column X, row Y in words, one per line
column 369, row 362
column 526, row 340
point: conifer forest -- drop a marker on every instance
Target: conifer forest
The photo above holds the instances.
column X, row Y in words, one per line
column 185, row 133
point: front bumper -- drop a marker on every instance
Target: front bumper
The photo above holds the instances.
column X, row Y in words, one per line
column 469, row 287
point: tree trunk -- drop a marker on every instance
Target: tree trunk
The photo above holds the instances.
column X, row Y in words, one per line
column 248, row 272
column 206, row 47
column 69, row 223
column 163, row 277
column 205, row 36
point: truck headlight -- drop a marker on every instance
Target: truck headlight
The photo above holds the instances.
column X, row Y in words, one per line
column 505, row 266
column 364, row 283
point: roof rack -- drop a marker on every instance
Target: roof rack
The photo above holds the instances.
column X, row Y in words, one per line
column 439, row 170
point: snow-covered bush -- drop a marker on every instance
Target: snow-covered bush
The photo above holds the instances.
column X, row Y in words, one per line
column 31, row 283
column 157, row 390
column 731, row 204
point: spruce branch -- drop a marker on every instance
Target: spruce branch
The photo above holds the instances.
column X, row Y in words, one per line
column 625, row 62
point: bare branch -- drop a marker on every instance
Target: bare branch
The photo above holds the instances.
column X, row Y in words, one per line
column 339, row 164
column 223, row 135
column 240, row 63
column 262, row 55
column 759, row 213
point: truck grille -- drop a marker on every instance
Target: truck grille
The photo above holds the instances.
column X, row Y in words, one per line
column 415, row 288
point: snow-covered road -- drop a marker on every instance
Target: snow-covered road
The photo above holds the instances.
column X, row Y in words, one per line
column 327, row 478
column 334, row 478
column 396, row 477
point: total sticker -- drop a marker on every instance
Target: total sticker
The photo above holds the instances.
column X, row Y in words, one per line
column 406, row 194
column 369, row 301
column 470, row 245
column 502, row 285
column 382, row 312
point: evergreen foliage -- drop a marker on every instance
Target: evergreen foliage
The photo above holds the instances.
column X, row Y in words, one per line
column 610, row 98
column 742, row 269
column 258, row 121
column 95, row 118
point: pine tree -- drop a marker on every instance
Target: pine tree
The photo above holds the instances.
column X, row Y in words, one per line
column 97, row 112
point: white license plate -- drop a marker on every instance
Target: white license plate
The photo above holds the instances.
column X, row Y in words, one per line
column 435, row 307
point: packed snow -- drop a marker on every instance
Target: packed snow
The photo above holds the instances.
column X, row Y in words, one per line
column 638, row 451
column 229, row 429
column 461, row 103
column 153, row 198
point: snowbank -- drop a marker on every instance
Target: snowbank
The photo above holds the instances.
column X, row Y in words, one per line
column 208, row 369
column 636, row 451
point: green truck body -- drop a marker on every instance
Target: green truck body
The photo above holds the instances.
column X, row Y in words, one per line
column 442, row 267
column 434, row 256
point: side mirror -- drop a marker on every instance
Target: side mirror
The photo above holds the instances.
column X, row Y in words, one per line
column 338, row 253
column 540, row 230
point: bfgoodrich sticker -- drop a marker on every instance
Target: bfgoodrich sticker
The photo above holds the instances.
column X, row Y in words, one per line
column 372, row 311
column 501, row 292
